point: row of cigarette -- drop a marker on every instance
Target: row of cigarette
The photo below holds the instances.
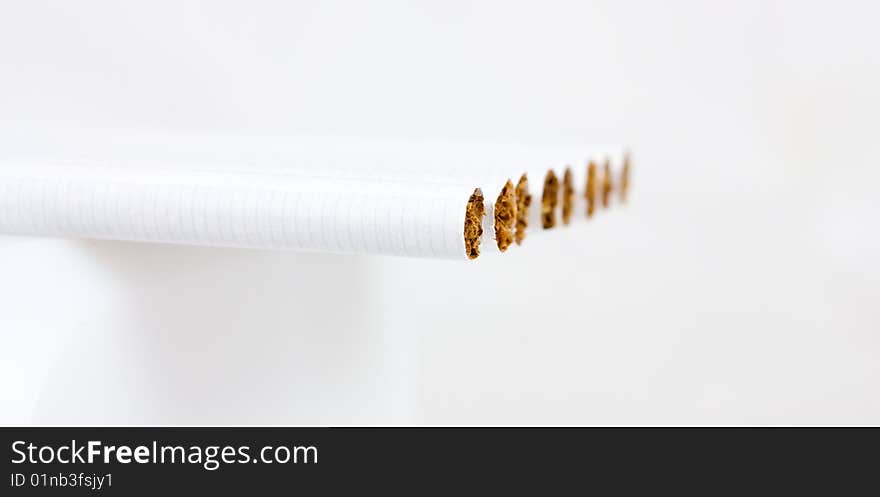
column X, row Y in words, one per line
column 391, row 197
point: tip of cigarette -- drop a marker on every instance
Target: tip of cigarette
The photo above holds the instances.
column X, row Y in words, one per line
column 624, row 178
column 590, row 191
column 607, row 185
column 523, row 201
column 567, row 195
column 473, row 224
column 549, row 200
column 505, row 216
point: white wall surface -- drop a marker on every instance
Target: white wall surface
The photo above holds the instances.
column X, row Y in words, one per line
column 740, row 285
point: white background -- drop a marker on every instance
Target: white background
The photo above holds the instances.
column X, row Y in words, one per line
column 740, row 285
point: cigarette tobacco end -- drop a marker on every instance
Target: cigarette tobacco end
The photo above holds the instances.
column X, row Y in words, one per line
column 590, row 191
column 549, row 200
column 567, row 195
column 624, row 178
column 607, row 185
column 505, row 216
column 523, row 201
column 473, row 224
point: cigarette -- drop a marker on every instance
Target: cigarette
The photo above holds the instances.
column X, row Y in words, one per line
column 504, row 216
column 236, row 209
column 591, row 189
column 523, row 203
column 607, row 184
column 567, row 195
column 549, row 200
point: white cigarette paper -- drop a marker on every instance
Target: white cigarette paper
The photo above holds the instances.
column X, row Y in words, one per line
column 258, row 210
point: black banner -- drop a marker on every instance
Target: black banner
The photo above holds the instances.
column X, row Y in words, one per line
column 129, row 461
